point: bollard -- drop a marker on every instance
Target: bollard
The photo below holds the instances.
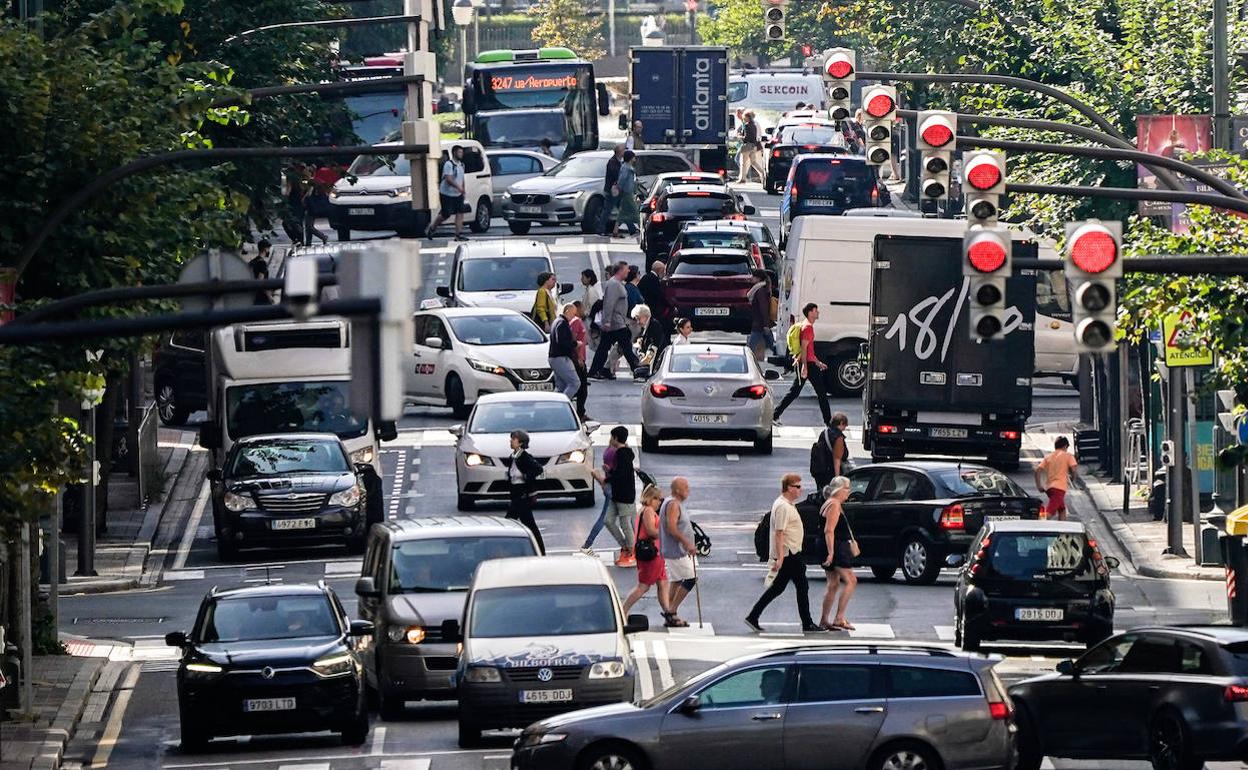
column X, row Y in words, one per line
column 1235, row 557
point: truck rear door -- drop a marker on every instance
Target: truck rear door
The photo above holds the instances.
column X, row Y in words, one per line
column 652, row 77
column 704, row 106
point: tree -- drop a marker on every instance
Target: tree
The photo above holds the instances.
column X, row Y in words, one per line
column 568, row 23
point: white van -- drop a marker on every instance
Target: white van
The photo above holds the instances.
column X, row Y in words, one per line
column 828, row 261
column 500, row 273
column 774, row 90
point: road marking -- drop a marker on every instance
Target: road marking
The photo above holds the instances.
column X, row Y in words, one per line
column 873, row 631
column 665, row 665
column 643, row 670
column 306, row 766
column 1047, row 764
column 944, row 633
column 407, row 764
column 192, row 525
column 112, row 730
column 693, row 629
column 185, row 574
column 343, row 567
column 732, row 458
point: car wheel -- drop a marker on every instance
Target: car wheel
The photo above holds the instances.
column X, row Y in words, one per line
column 344, row 234
column 356, row 732
column 848, row 375
column 883, row 573
column 469, row 733
column 1170, row 745
column 905, row 756
column 167, row 404
column 763, row 445
column 481, row 220
column 464, row 502
column 455, row 396
column 592, row 216
column 611, row 757
column 519, row 228
column 918, row 563
column 649, row 443
column 194, row 737
column 1030, row 750
column 584, row 499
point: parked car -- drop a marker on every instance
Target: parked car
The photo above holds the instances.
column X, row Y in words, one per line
column 270, row 659
column 414, row 578
column 711, row 287
column 1033, row 580
column 1176, row 697
column 498, row 273
column 510, row 166
column 812, row 137
column 682, row 204
column 843, row 706
column 180, row 377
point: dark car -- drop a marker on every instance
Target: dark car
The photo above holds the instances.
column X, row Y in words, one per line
column 913, row 515
column 807, row 138
column 1034, row 580
column 180, row 377
column 686, row 203
column 832, row 707
column 271, row 659
column 710, row 286
column 823, row 184
column 733, row 234
column 1177, row 697
column 289, row 488
column 663, row 182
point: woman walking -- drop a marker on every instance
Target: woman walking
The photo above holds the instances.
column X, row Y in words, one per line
column 840, row 562
column 522, row 470
column 626, row 195
column 651, row 571
column 544, row 312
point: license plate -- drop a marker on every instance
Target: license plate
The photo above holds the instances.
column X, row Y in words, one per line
column 1003, row 517
column 548, row 386
column 293, row 524
column 1039, row 613
column 710, row 311
column 714, row 419
column 545, row 696
column 529, row 209
column 947, row 432
column 269, row 704
column 361, row 212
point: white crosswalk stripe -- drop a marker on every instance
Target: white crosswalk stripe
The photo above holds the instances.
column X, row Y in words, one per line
column 791, row 436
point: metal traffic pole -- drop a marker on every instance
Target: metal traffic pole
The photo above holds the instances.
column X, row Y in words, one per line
column 1189, row 407
column 1176, row 472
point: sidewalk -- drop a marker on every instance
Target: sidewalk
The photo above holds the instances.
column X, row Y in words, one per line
column 62, row 686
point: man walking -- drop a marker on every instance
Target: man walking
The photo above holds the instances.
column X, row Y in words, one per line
column 807, row 367
column 678, row 548
column 610, row 191
column 786, row 556
column 1053, row 477
column 759, row 298
column 562, row 353
column 634, row 141
column 614, row 325
column 651, row 287
column 619, row 497
column 451, row 194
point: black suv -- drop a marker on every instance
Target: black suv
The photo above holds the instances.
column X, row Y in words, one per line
column 1034, row 580
column 271, row 659
column 180, row 377
column 686, row 203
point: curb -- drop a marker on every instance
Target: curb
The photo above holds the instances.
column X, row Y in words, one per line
column 66, row 719
column 99, row 586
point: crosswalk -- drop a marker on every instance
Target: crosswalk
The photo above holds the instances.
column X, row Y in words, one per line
column 788, row 436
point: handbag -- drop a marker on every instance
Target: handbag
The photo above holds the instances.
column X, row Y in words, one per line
column 644, row 549
column 701, row 540
column 854, row 549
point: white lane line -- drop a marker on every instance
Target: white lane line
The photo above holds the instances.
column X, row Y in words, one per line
column 665, row 665
column 351, row 567
column 944, row 633
column 643, row 670
column 732, row 458
column 192, row 525
column 1047, row 764
column 307, row 766
column 186, row 574
column 873, row 631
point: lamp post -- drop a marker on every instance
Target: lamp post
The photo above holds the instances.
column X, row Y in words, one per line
column 463, row 12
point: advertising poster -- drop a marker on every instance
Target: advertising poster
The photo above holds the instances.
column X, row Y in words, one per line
column 1171, row 136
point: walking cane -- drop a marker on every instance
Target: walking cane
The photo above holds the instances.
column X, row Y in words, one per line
column 697, row 589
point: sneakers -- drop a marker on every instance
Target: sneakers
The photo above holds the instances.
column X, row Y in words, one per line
column 461, row 237
column 753, row 625
column 587, row 551
column 625, row 560
column 812, row 628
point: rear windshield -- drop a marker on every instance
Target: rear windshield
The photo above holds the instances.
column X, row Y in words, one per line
column 710, row 204
column 1239, row 657
column 834, row 179
column 813, row 135
column 716, row 266
column 969, row 482
column 501, row 273
column 719, row 239
column 1040, row 555
column 537, row 611
column 692, row 362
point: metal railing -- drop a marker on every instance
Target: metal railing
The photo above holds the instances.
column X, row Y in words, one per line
column 147, row 456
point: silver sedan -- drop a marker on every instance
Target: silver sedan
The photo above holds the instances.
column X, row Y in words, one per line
column 707, row 391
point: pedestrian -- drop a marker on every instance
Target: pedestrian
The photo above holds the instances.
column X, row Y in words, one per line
column 651, row 287
column 787, row 565
column 522, row 470
column 615, row 333
column 654, row 337
column 259, row 265
column 582, row 339
column 759, row 297
column 803, row 360
column 562, row 353
column 626, row 196
column 678, row 549
column 857, row 134
column 739, row 134
column 544, row 147
column 543, row 311
column 634, row 140
column 609, row 182
column 592, row 300
column 829, row 455
column 799, row 106
column 1053, row 477
column 651, row 568
column 839, row 566
column 751, row 149
column 619, row 491
column 684, row 328
column 451, row 194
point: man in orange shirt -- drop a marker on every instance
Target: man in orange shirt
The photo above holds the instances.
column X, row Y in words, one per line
column 1053, row 477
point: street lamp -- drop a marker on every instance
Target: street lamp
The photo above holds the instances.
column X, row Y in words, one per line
column 462, row 11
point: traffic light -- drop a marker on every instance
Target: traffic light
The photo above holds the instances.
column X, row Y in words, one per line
column 936, row 134
column 807, row 49
column 838, row 79
column 983, row 184
column 986, row 261
column 880, row 105
column 773, row 19
column 1093, row 263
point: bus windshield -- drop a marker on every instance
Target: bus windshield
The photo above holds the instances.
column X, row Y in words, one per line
column 528, row 85
column 521, row 128
column 291, row 407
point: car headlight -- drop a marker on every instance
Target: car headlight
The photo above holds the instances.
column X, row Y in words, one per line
column 337, row 664
column 363, row 456
column 409, row 634
column 607, row 669
column 334, row 192
column 203, row 668
column 473, row 459
column 506, row 195
column 485, row 366
column 540, row 739
column 346, row 498
column 569, row 195
column 480, row 674
column 575, row 456
column 235, row 502
column 401, row 192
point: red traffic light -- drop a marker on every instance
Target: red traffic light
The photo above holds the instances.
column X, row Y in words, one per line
column 986, row 255
column 937, row 133
column 839, row 66
column 880, row 104
column 1093, row 249
column 807, row 50
column 983, row 174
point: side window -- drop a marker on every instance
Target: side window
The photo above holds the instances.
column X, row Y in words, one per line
column 1193, row 659
column 753, row 687
column 823, row 684
column 858, row 484
column 419, row 325
column 371, row 557
column 435, row 328
column 896, row 485
column 1107, row 657
column 916, row 682
column 474, row 162
column 1152, row 655
column 495, row 164
column 188, row 340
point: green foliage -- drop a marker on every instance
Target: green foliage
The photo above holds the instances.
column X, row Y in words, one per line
column 567, row 23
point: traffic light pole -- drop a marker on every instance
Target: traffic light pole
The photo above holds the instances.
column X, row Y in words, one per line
column 1176, row 475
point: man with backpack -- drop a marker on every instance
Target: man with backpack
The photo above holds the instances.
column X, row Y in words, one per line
column 806, row 365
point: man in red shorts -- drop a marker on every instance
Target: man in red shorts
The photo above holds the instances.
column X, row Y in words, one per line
column 1053, row 477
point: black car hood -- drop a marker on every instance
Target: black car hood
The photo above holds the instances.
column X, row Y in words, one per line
column 278, row 653
column 427, row 608
column 301, row 482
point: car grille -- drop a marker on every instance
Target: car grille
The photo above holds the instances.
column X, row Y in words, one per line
column 531, row 375
column 558, row 674
column 530, row 199
column 292, row 502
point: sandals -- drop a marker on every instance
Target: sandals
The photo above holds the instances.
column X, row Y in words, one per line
column 844, row 625
column 671, row 621
column 830, row 627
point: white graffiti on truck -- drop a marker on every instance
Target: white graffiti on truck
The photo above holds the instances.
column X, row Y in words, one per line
column 925, row 314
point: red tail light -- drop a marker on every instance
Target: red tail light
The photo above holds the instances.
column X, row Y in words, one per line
column 1009, row 435
column 737, row 217
column 658, row 217
column 1235, row 693
column 999, row 710
column 659, row 390
column 775, row 153
column 1044, row 512
column 757, row 254
column 753, row 391
column 952, row 517
column 886, row 429
column 875, row 196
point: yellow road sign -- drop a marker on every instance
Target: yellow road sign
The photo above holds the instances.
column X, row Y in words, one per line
column 1181, row 348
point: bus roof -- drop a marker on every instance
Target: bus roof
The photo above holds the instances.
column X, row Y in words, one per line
column 507, row 55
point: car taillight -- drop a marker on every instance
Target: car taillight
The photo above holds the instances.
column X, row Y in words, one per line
column 753, row 391
column 659, row 390
column 757, row 254
column 999, row 710
column 886, row 429
column 736, row 217
column 952, row 517
column 658, row 217
column 1009, row 435
column 875, row 196
column 775, row 153
column 1235, row 693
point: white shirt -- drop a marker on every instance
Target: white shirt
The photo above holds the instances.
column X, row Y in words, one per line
column 514, row 476
column 455, row 170
column 680, row 339
column 628, row 143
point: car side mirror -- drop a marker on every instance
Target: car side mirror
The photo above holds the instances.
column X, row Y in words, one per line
column 955, row 560
column 690, row 705
column 565, row 288
column 1067, row 668
column 592, row 425
column 443, row 291
column 361, row 628
column 637, row 624
column 210, row 436
column 1112, row 562
column 451, row 631
column 214, row 474
column 175, row 639
column 771, row 375
column 623, row 122
column 456, row 430
column 387, row 431
column 748, row 210
column 366, row 587
column 434, row 342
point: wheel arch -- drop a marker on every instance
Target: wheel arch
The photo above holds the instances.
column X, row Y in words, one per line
column 898, row 741
column 582, row 756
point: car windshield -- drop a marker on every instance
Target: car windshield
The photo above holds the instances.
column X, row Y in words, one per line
column 724, row 239
column 380, row 165
column 693, row 362
column 254, row 618
column 969, row 482
column 523, row 129
column 501, row 273
column 582, row 166
column 528, row 416
column 496, row 330
column 820, row 179
column 538, row 611
column 720, row 266
column 813, row 135
column 703, row 205
column 447, row 563
column 1033, row 555
column 273, row 458
column 291, row 407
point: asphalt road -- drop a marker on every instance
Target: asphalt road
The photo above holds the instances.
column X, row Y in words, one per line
column 731, row 487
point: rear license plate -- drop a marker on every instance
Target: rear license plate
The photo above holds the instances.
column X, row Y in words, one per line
column 545, row 696
column 537, row 386
column 1039, row 613
column 710, row 311
column 269, row 704
column 293, row 524
column 361, row 212
column 1003, row 517
column 713, row 419
column 947, row 432
column 529, row 209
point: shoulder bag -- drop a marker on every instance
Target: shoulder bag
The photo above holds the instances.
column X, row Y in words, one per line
column 854, row 549
column 644, row 548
